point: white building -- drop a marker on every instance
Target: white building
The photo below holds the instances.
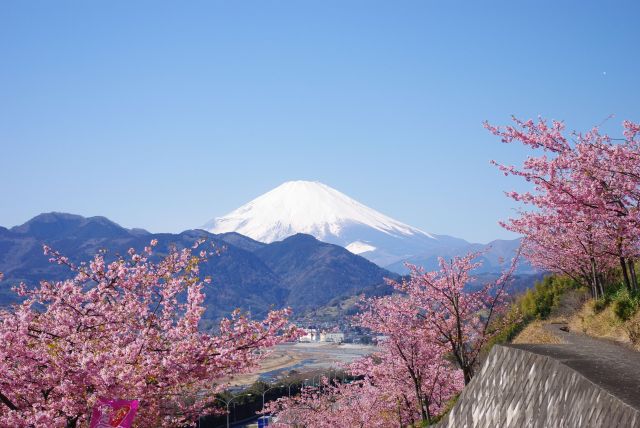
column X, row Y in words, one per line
column 311, row 335
column 336, row 337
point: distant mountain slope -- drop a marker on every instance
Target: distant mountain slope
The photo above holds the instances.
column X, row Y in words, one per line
column 495, row 257
column 247, row 274
column 241, row 241
column 240, row 279
column 327, row 270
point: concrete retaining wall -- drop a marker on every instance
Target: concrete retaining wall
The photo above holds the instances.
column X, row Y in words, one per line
column 518, row 388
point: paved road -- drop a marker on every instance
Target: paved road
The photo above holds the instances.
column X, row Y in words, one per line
column 609, row 365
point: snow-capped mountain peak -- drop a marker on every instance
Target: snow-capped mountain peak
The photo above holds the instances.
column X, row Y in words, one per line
column 307, row 207
column 316, row 209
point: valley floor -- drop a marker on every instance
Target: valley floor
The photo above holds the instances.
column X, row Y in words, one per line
column 302, row 357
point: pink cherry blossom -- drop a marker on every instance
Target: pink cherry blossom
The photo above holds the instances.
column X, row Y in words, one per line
column 411, row 376
column 125, row 329
column 583, row 215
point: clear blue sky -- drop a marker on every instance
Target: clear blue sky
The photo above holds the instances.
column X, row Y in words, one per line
column 164, row 114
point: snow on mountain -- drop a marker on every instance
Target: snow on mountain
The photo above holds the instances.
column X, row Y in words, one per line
column 359, row 247
column 305, row 207
column 329, row 215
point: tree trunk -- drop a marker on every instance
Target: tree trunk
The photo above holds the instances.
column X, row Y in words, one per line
column 428, row 412
column 600, row 284
column 625, row 274
column 423, row 413
column 632, row 270
column 406, row 403
column 468, row 374
column 5, row 400
column 594, row 279
column 467, row 370
column 72, row 422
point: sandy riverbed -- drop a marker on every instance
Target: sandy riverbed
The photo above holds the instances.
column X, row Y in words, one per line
column 302, row 357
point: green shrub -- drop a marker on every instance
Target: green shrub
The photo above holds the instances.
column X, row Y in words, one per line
column 599, row 305
column 535, row 303
column 624, row 309
column 538, row 302
column 633, row 328
column 625, row 305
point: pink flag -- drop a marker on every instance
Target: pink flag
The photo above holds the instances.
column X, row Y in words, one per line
column 113, row 413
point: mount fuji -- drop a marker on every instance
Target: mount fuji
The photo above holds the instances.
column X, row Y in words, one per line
column 316, row 209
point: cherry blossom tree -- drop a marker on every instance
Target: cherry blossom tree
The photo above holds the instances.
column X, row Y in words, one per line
column 585, row 199
column 407, row 380
column 356, row 404
column 410, row 364
column 435, row 317
column 125, row 329
column 384, row 396
column 564, row 244
column 461, row 320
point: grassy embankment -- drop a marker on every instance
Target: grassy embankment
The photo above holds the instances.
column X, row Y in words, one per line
column 616, row 317
column 558, row 299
